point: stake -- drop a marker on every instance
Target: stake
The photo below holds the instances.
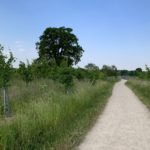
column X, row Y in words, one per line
column 6, row 103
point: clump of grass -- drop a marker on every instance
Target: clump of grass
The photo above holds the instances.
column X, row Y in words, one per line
column 50, row 119
column 141, row 89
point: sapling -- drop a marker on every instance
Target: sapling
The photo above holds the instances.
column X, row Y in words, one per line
column 5, row 75
column 25, row 72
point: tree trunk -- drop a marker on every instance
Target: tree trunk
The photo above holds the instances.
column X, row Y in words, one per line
column 7, row 112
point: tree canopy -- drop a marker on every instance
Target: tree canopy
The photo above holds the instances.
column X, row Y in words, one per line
column 59, row 44
column 91, row 66
column 5, row 67
column 110, row 70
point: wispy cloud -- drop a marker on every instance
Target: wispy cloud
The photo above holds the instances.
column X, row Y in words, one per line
column 19, row 46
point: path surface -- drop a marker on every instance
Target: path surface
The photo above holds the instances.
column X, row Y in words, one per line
column 124, row 124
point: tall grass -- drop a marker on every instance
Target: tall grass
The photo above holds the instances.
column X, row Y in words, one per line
column 44, row 117
column 141, row 89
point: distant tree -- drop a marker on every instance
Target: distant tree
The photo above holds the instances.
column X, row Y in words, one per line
column 59, row 44
column 138, row 69
column 110, row 70
column 114, row 68
column 132, row 73
column 91, row 66
column 5, row 75
column 92, row 72
column 124, row 72
column 147, row 71
column 25, row 72
column 139, row 72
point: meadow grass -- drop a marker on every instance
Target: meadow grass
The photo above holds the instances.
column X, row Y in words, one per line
column 45, row 118
column 141, row 89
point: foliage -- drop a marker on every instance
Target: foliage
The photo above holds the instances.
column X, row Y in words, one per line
column 110, row 70
column 42, row 69
column 138, row 69
column 91, row 66
column 47, row 118
column 59, row 44
column 5, row 67
column 5, row 75
column 148, row 72
column 65, row 76
column 80, row 74
column 26, row 72
column 138, row 72
column 92, row 72
column 141, row 89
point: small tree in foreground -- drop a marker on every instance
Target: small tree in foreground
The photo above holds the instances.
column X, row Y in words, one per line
column 5, row 75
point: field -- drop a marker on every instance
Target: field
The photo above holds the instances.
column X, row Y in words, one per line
column 45, row 117
column 142, row 89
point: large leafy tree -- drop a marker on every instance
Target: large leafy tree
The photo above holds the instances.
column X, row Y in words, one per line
column 59, row 44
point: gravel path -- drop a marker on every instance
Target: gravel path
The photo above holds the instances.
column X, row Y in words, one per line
column 124, row 124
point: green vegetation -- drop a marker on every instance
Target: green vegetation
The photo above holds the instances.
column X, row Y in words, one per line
column 52, row 103
column 141, row 89
column 5, row 75
column 59, row 45
column 140, row 84
column 25, row 72
column 44, row 117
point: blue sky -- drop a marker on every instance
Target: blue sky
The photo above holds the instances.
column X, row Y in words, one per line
column 113, row 32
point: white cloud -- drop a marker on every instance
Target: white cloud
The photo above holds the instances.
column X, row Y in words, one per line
column 19, row 46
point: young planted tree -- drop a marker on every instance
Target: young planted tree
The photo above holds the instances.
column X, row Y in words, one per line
column 5, row 75
column 25, row 72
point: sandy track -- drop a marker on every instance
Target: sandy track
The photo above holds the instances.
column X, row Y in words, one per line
column 124, row 124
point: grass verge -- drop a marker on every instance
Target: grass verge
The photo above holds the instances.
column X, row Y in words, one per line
column 142, row 89
column 48, row 119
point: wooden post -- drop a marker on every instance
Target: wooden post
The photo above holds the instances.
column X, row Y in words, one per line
column 6, row 103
